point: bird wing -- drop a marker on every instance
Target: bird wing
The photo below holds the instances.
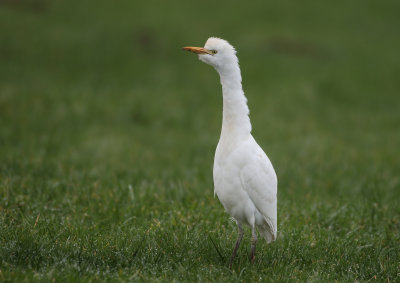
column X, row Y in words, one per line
column 260, row 182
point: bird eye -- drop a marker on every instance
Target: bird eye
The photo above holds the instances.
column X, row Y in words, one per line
column 214, row 51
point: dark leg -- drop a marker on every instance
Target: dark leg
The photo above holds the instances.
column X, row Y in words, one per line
column 253, row 244
column 239, row 239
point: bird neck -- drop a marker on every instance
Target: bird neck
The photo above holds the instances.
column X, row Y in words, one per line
column 235, row 118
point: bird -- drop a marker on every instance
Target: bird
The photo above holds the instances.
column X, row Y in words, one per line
column 244, row 178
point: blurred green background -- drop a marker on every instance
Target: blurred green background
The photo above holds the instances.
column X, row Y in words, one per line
column 108, row 131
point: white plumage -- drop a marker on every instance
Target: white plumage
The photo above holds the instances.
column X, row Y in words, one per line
column 244, row 178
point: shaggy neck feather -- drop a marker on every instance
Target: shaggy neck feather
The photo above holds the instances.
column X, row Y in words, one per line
column 235, row 118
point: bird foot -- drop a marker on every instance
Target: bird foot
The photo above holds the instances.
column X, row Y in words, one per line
column 253, row 253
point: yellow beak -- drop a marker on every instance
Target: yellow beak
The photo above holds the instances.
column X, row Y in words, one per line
column 198, row 50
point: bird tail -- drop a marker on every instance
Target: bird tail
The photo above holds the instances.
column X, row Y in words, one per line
column 267, row 230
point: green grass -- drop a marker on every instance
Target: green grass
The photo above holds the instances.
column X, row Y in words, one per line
column 108, row 130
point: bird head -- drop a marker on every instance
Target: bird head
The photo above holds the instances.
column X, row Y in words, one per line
column 216, row 52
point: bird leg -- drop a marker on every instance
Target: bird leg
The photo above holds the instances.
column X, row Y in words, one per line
column 239, row 239
column 253, row 244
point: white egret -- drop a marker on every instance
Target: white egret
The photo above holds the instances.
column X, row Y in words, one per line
column 244, row 178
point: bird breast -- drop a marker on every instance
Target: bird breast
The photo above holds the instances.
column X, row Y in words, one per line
column 230, row 157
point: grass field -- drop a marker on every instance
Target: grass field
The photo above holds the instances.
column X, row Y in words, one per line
column 108, row 131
